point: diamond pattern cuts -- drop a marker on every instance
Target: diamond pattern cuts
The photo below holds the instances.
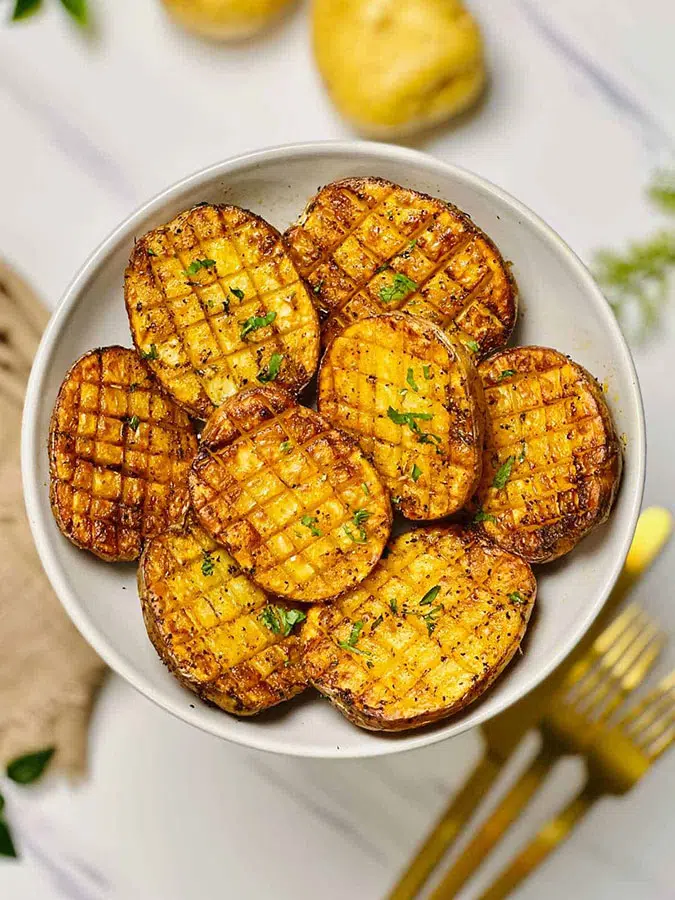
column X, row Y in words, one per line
column 205, row 619
column 120, row 451
column 436, row 621
column 212, row 297
column 358, row 237
column 294, row 501
column 549, row 431
column 431, row 460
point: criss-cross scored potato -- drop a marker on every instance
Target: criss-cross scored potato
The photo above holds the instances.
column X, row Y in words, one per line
column 366, row 246
column 552, row 460
column 215, row 303
column 216, row 631
column 414, row 402
column 426, row 633
column 293, row 499
column 119, row 454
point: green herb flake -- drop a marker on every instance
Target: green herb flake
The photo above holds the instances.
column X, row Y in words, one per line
column 280, row 620
column 662, row 191
column 523, row 453
column 503, row 473
column 366, row 489
column 151, row 353
column 272, row 370
column 415, row 472
column 431, row 619
column 506, row 373
column 350, row 643
column 473, row 346
column 381, row 268
column 317, row 287
column 393, row 605
column 133, row 387
column 410, row 378
column 310, row 522
column 517, row 598
column 27, row 769
column 150, row 252
column 285, row 446
column 253, row 323
column 238, row 293
column 197, row 264
column 208, row 563
column 427, row 372
column 482, row 516
column 133, row 423
column 376, row 624
column 77, row 9
column 7, row 847
column 430, row 595
column 25, row 8
column 226, row 306
column 399, row 289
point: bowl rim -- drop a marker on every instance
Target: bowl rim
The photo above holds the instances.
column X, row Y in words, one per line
column 30, row 438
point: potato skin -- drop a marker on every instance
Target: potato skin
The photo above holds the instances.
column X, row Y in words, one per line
column 404, row 670
column 401, row 362
column 565, row 484
column 367, row 246
column 248, row 669
column 119, row 453
column 226, row 19
column 212, row 297
column 293, row 499
column 394, row 67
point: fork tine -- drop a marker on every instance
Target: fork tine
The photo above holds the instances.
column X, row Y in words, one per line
column 601, row 645
column 630, row 722
column 651, row 725
column 631, row 671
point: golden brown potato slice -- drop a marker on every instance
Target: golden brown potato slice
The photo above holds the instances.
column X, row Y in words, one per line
column 294, row 500
column 415, row 404
column 426, row 633
column 217, row 632
column 215, row 304
column 552, row 460
column 119, row 454
column 367, row 246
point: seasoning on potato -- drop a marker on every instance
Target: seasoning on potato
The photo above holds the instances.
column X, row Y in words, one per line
column 394, row 67
column 414, row 402
column 293, row 499
column 426, row 633
column 217, row 632
column 552, row 460
column 226, row 19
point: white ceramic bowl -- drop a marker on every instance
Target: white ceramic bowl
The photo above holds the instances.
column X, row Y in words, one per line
column 560, row 306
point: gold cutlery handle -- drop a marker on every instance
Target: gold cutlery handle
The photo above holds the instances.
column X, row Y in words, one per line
column 493, row 829
column 551, row 835
column 451, row 822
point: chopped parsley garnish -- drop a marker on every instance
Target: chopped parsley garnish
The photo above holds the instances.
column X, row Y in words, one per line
column 427, row 372
column 503, row 473
column 310, row 522
column 272, row 370
column 280, row 620
column 431, row 619
column 359, row 517
column 253, row 323
column 207, row 563
column 27, row 769
column 151, row 353
column 393, row 605
column 517, row 598
column 150, row 252
column 430, row 595
column 133, row 423
column 226, row 305
column 366, row 489
column 382, row 268
column 482, row 516
column 133, row 387
column 285, row 446
column 398, row 289
column 317, row 287
column 410, row 378
column 473, row 346
column 409, row 418
column 415, row 472
column 523, row 453
column 350, row 643
column 376, row 624
column 238, row 293
column 506, row 373
column 198, row 264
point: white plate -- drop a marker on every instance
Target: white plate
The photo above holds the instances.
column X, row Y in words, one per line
column 560, row 307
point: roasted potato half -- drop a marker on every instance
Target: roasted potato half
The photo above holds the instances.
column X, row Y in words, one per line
column 215, row 304
column 119, row 454
column 415, row 404
column 293, row 499
column 216, row 631
column 552, row 460
column 426, row 633
column 367, row 246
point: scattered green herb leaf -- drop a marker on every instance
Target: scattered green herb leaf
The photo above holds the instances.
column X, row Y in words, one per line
column 272, row 370
column 208, row 563
column 133, row 423
column 285, row 446
column 350, row 643
column 376, row 624
column 415, row 473
column 238, row 293
column 473, row 346
column 427, row 372
column 506, row 373
column 482, row 516
column 516, row 598
column 503, row 473
column 410, row 378
column 393, row 605
column 253, row 323
column 310, row 522
column 77, row 9
column 133, row 387
column 430, row 595
column 523, row 453
column 25, row 8
column 317, row 287
column 280, row 620
column 198, row 264
column 150, row 252
column 366, row 489
column 399, row 289
column 151, row 353
column 27, row 769
column 7, row 847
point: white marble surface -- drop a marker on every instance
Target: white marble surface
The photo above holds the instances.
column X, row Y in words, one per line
column 580, row 110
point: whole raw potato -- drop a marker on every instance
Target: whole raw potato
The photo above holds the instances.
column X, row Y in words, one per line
column 394, row 67
column 223, row 19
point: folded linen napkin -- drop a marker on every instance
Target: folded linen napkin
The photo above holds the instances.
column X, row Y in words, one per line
column 48, row 674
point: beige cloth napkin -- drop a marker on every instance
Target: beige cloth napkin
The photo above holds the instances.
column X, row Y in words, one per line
column 48, row 674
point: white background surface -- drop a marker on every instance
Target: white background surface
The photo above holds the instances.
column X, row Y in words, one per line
column 579, row 112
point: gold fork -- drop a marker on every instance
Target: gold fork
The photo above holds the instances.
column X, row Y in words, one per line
column 617, row 662
column 504, row 732
column 617, row 757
